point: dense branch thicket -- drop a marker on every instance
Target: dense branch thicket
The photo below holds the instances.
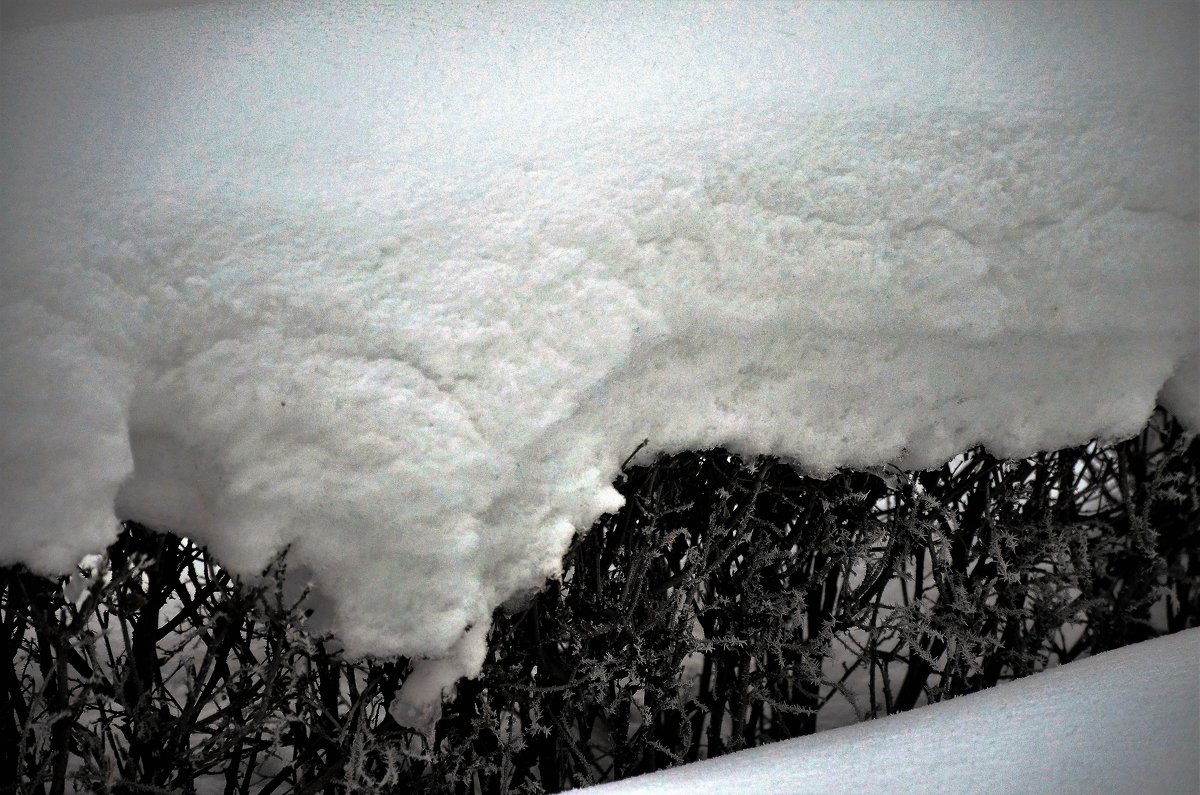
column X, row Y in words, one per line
column 731, row 603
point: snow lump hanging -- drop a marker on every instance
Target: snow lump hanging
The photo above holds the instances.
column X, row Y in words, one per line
column 402, row 285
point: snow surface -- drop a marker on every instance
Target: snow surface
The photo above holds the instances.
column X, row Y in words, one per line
column 401, row 285
column 1121, row 722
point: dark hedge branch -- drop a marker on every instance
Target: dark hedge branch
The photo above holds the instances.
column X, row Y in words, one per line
column 731, row 603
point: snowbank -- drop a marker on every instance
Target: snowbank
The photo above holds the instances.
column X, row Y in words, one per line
column 402, row 285
column 1124, row 721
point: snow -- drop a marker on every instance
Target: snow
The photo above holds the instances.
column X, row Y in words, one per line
column 1124, row 721
column 402, row 285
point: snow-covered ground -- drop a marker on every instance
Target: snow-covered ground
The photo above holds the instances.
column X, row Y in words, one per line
column 402, row 284
column 1121, row 722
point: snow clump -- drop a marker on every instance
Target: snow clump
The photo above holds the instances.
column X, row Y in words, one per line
column 401, row 286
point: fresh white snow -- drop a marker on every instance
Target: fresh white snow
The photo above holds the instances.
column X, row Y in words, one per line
column 400, row 285
column 1121, row 722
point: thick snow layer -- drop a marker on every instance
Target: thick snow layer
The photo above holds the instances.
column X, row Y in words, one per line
column 401, row 285
column 1124, row 721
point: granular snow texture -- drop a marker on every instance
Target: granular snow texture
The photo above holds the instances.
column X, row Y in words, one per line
column 401, row 285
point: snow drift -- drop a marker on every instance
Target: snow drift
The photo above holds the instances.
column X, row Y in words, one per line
column 1124, row 721
column 401, row 285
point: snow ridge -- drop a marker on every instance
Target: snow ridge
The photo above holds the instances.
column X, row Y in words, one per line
column 403, row 289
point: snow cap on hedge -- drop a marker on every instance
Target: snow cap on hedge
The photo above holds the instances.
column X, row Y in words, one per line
column 402, row 285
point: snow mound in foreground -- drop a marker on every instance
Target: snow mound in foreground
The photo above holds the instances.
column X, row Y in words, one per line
column 401, row 287
column 1123, row 721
